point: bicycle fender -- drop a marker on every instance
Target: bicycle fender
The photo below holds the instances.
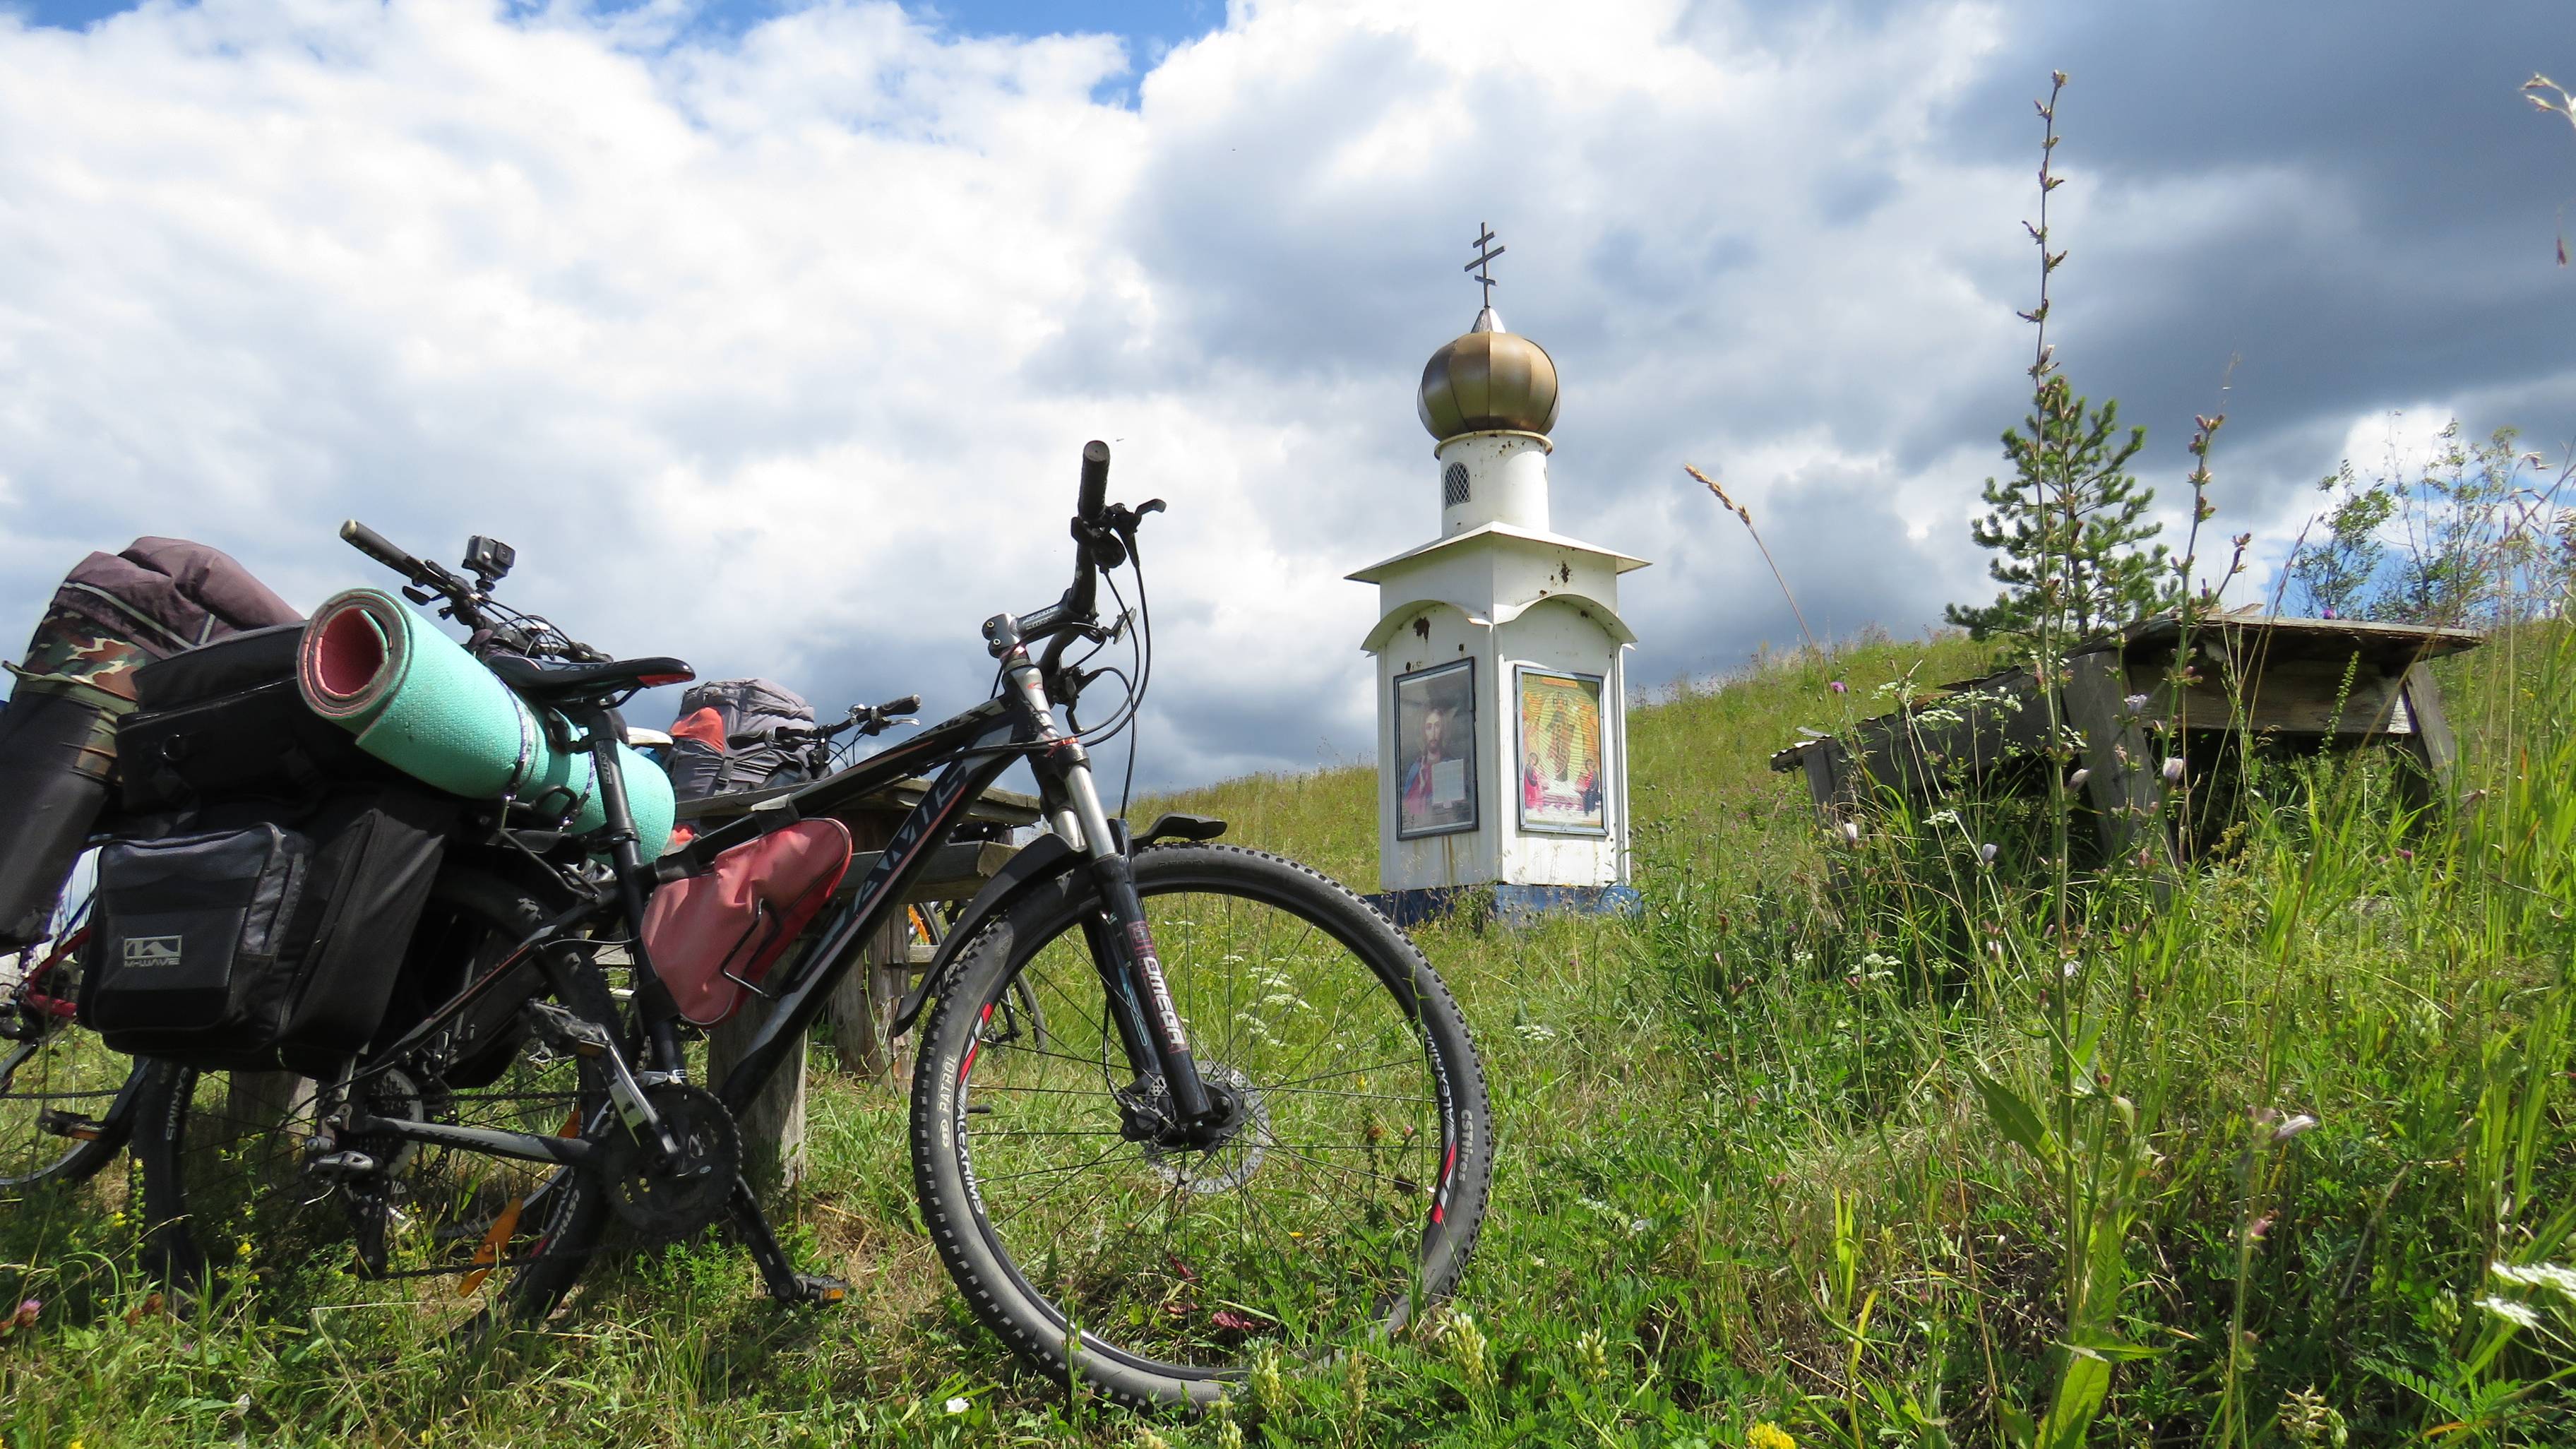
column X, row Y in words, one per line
column 1040, row 861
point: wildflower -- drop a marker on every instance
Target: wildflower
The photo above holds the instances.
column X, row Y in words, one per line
column 242, row 1250
column 2309, row 1421
column 25, row 1317
column 1592, row 1356
column 1851, row 832
column 2538, row 1275
column 2255, row 1230
column 2173, row 769
column 956, row 1406
column 2135, row 703
column 2292, row 1128
column 2076, row 780
column 1986, row 853
column 2517, row 1314
column 1269, row 1387
column 1148, row 1439
column 1355, row 1386
column 1767, row 1435
column 1839, row 687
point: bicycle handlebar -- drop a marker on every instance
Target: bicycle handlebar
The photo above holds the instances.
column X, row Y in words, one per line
column 376, row 546
column 1095, row 480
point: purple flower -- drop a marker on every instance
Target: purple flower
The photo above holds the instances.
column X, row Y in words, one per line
column 1986, row 853
column 2173, row 769
column 1839, row 687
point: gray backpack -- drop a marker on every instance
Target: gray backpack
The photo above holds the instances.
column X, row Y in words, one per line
column 748, row 713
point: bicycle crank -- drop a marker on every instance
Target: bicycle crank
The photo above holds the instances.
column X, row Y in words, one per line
column 669, row 1197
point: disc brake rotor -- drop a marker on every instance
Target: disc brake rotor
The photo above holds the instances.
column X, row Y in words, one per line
column 1231, row 1161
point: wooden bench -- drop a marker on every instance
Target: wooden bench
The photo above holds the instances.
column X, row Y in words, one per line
column 2307, row 684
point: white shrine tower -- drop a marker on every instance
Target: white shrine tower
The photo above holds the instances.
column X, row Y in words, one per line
column 1502, row 737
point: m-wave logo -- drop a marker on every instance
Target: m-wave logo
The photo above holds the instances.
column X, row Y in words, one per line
column 151, row 951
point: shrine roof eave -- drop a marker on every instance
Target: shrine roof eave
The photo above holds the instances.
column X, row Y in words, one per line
column 1396, row 618
column 1377, row 572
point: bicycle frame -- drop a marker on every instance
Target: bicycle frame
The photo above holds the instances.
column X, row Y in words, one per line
column 970, row 751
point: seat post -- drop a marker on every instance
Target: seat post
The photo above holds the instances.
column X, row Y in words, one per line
column 652, row 999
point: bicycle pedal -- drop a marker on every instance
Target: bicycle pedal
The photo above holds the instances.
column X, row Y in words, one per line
column 55, row 1122
column 819, row 1290
column 346, row 1163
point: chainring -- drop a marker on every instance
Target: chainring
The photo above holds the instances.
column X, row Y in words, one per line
column 663, row 1200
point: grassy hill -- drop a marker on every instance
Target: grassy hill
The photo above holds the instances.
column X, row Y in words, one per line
column 1945, row 1159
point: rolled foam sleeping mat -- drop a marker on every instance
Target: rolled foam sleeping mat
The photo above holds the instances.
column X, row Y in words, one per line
column 417, row 701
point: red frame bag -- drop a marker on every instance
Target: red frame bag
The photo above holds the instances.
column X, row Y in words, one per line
column 713, row 937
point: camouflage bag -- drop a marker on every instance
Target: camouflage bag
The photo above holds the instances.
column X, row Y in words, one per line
column 112, row 614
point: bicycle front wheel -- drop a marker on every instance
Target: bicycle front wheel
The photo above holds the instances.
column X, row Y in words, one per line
column 1345, row 1189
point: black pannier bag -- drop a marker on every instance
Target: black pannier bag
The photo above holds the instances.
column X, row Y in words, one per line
column 228, row 722
column 732, row 746
column 263, row 937
column 113, row 614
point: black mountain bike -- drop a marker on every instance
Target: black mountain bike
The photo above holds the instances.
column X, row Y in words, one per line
column 1253, row 1116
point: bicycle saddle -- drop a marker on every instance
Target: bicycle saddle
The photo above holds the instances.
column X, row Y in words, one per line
column 563, row 683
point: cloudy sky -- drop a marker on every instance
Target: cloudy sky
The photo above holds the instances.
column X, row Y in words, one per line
column 769, row 332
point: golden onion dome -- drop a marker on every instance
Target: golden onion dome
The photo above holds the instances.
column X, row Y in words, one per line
column 1488, row 381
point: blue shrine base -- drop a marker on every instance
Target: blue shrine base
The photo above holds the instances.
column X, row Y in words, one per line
column 1513, row 906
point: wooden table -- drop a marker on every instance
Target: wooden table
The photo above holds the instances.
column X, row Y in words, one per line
column 861, row 1010
column 2304, row 684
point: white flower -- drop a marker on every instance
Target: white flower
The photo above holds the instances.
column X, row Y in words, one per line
column 1851, row 832
column 956, row 1406
column 1942, row 817
column 2511, row 1312
column 2076, row 780
column 2292, row 1128
column 1986, row 853
column 2553, row 1276
column 2173, row 769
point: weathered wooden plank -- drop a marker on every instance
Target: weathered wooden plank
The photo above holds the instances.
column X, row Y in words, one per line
column 862, row 1007
column 2435, row 745
column 773, row 1129
column 956, row 870
column 2125, row 780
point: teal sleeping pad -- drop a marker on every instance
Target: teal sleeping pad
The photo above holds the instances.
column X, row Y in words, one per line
column 417, row 701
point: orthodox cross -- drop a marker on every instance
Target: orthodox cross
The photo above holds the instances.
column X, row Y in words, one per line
column 1482, row 266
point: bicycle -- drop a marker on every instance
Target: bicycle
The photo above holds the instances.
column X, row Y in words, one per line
column 1254, row 1115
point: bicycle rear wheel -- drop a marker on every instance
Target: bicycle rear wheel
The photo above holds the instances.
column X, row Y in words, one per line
column 60, row 1085
column 452, row 1238
column 1346, row 1192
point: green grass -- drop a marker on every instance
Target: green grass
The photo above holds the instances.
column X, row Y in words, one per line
column 1861, row 1167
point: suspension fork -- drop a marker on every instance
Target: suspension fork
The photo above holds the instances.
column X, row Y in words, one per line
column 1122, row 944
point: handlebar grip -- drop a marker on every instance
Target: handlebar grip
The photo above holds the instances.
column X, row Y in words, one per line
column 1095, row 479
column 376, row 546
column 909, row 704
